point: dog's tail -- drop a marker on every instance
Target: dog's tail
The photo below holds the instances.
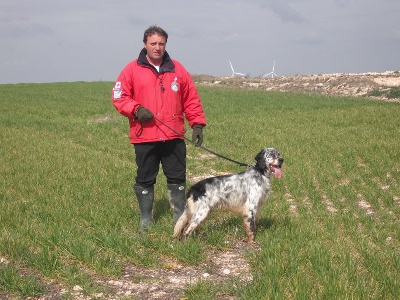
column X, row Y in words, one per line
column 181, row 223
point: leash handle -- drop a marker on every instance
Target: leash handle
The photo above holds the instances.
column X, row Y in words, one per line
column 203, row 148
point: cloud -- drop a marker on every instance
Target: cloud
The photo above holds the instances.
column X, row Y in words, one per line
column 225, row 37
column 18, row 27
column 135, row 20
column 393, row 34
column 284, row 12
column 312, row 38
column 342, row 3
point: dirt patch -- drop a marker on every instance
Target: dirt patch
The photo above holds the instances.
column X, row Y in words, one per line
column 169, row 281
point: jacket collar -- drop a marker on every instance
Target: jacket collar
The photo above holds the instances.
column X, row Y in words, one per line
column 167, row 64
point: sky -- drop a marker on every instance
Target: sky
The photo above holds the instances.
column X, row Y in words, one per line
column 87, row 40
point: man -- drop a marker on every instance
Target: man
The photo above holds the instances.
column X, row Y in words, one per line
column 156, row 93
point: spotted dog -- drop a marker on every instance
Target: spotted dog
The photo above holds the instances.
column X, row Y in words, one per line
column 242, row 193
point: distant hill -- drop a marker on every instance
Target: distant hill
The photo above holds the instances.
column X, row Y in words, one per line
column 384, row 86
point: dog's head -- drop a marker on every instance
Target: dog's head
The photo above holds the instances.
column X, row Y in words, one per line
column 269, row 161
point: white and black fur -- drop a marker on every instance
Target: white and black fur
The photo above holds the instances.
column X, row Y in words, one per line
column 242, row 193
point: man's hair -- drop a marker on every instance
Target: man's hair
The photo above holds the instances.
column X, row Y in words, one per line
column 154, row 29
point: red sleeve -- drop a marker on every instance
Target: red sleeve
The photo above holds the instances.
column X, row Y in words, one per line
column 192, row 103
column 123, row 97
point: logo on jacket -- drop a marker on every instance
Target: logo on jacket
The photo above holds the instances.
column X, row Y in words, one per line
column 174, row 85
column 117, row 90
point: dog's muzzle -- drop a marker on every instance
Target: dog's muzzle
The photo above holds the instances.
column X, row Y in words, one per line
column 276, row 169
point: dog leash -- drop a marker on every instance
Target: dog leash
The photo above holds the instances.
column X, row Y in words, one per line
column 203, row 148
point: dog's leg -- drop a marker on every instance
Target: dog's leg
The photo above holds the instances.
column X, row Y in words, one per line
column 249, row 221
column 197, row 218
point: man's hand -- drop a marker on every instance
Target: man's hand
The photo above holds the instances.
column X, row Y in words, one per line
column 197, row 136
column 143, row 114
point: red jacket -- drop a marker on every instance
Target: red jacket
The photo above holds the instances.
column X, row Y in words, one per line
column 169, row 94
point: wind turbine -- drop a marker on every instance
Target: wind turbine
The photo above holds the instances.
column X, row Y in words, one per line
column 235, row 73
column 271, row 73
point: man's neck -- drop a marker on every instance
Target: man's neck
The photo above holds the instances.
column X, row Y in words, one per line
column 154, row 63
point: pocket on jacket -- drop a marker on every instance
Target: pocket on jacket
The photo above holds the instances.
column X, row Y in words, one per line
column 178, row 123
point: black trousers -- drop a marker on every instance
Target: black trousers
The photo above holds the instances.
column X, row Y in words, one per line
column 172, row 156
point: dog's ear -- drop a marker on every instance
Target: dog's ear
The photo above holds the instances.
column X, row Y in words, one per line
column 260, row 158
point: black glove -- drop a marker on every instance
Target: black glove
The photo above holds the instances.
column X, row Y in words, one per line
column 197, row 134
column 143, row 114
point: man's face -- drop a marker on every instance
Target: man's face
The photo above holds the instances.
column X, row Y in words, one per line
column 155, row 46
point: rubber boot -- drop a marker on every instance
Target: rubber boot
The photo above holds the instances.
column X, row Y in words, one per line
column 145, row 197
column 177, row 199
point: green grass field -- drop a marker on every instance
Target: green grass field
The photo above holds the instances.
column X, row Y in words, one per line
column 330, row 229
